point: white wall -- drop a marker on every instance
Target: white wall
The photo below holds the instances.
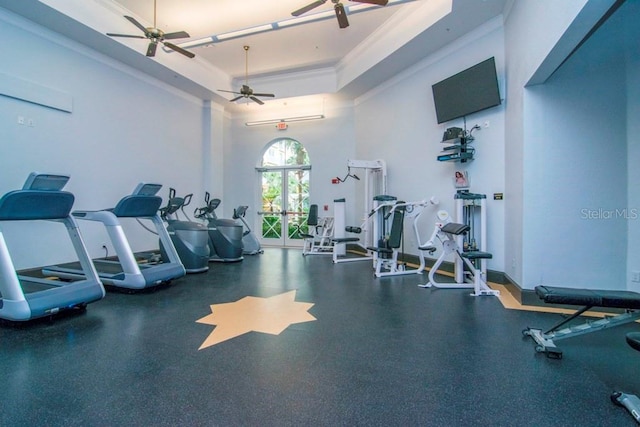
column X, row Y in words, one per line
column 124, row 128
column 575, row 174
column 632, row 62
column 528, row 43
column 397, row 123
column 570, row 147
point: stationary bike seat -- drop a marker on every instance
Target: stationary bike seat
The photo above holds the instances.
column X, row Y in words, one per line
column 633, row 339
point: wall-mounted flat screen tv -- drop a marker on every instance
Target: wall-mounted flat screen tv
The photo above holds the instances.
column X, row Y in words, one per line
column 467, row 92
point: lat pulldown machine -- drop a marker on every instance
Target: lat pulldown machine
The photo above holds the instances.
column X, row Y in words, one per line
column 375, row 183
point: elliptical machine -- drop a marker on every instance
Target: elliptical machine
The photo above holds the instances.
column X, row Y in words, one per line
column 250, row 242
column 225, row 235
column 189, row 238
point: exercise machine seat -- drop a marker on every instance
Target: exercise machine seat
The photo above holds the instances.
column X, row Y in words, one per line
column 312, row 221
column 633, row 339
column 455, row 228
column 476, row 255
column 395, row 235
column 589, row 297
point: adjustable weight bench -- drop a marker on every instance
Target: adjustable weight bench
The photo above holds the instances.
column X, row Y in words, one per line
column 587, row 298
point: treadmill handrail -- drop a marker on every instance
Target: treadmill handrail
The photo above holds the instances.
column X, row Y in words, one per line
column 105, row 217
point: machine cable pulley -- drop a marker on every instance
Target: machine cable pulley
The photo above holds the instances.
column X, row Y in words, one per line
column 349, row 175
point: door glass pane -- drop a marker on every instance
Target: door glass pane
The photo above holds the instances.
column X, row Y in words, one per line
column 298, row 202
column 272, row 204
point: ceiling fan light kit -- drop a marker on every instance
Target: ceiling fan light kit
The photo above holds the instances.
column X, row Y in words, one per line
column 245, row 90
column 155, row 36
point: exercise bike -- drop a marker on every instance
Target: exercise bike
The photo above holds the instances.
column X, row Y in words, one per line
column 189, row 238
column 250, row 243
column 225, row 235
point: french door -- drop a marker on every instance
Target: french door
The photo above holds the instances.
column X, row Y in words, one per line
column 285, row 205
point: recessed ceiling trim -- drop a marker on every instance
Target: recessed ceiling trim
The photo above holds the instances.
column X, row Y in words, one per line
column 286, row 23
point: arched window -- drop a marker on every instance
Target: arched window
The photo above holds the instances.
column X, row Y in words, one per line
column 285, row 152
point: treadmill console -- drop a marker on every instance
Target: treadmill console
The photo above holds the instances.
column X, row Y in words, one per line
column 45, row 182
column 144, row 189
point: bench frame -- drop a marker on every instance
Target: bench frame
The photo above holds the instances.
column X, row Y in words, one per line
column 545, row 341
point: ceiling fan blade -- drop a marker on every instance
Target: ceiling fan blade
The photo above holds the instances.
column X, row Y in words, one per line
column 179, row 50
column 229, row 91
column 253, row 98
column 264, row 94
column 343, row 22
column 308, row 7
column 136, row 23
column 151, row 49
column 177, row 35
column 378, row 2
column 126, row 35
column 236, row 98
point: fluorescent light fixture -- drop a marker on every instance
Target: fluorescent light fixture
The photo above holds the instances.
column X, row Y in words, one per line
column 245, row 32
column 307, row 18
column 197, row 43
column 285, row 120
column 304, row 118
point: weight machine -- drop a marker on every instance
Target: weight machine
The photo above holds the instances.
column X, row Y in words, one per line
column 386, row 263
column 459, row 239
column 375, row 183
column 317, row 241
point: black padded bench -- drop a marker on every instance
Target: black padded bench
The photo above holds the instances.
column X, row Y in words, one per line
column 457, row 229
column 343, row 241
column 587, row 298
column 348, row 229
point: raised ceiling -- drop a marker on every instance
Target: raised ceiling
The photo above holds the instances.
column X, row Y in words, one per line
column 378, row 44
column 302, row 47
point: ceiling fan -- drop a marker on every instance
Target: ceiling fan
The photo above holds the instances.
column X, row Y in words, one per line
column 343, row 22
column 245, row 90
column 156, row 35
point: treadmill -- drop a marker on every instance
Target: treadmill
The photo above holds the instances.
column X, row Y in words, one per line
column 126, row 272
column 24, row 297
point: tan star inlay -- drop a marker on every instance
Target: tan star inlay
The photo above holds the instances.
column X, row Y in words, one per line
column 268, row 315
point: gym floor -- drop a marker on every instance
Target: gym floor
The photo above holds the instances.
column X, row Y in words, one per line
column 314, row 344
